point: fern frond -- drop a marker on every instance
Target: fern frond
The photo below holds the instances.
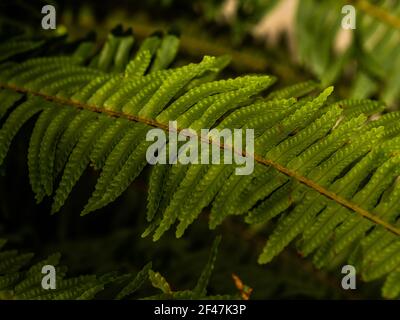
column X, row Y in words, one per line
column 328, row 170
column 20, row 282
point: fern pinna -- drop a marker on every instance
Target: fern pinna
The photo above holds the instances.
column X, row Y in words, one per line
column 327, row 168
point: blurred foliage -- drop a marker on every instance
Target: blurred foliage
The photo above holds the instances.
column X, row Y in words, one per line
column 371, row 59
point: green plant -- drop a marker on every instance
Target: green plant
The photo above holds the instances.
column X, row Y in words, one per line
column 326, row 168
column 372, row 48
column 365, row 61
column 21, row 280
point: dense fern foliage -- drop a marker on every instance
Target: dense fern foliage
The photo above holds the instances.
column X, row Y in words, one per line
column 21, row 280
column 328, row 169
